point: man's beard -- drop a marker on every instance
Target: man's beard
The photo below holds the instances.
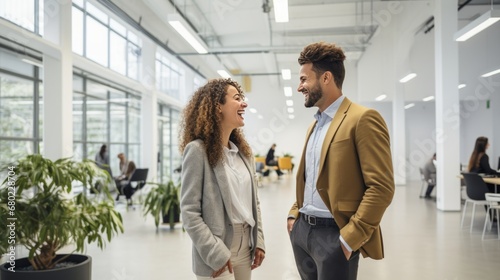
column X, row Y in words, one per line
column 315, row 95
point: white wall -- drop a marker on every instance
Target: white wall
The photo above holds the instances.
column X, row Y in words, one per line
column 275, row 126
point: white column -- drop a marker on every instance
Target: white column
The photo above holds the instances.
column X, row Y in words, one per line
column 399, row 135
column 149, row 108
column 447, row 106
column 58, row 82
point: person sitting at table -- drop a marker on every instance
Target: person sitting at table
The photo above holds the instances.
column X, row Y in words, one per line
column 479, row 161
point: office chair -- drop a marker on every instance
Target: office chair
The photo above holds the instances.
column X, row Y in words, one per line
column 476, row 189
column 493, row 199
column 498, row 167
column 139, row 177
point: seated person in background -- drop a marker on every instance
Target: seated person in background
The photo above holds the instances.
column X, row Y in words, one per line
column 430, row 175
column 122, row 182
column 271, row 160
column 126, row 170
column 123, row 164
column 479, row 161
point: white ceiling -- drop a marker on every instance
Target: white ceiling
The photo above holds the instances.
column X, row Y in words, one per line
column 247, row 41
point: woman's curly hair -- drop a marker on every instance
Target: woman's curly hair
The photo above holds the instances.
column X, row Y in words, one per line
column 201, row 119
column 325, row 57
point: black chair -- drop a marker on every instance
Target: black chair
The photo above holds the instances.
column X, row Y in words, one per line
column 137, row 181
column 498, row 167
column 476, row 189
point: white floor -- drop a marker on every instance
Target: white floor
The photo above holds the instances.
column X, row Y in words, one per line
column 421, row 242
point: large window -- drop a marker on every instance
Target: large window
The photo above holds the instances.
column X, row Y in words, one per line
column 104, row 40
column 26, row 13
column 105, row 114
column 21, row 108
column 169, row 76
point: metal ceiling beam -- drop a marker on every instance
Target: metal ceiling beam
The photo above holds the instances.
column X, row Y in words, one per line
column 268, row 49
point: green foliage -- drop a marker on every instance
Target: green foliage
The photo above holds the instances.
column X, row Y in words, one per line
column 287, row 155
column 163, row 199
column 47, row 215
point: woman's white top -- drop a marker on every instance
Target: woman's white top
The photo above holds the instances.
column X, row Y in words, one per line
column 240, row 186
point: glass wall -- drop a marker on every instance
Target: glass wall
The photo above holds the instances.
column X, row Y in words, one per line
column 104, row 114
column 168, row 143
column 21, row 107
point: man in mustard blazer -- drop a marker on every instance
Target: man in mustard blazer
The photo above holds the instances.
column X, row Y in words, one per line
column 345, row 177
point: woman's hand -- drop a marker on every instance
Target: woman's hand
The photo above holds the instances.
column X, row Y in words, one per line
column 259, row 258
column 222, row 269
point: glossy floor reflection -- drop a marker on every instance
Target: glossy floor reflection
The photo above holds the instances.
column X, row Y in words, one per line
column 421, row 242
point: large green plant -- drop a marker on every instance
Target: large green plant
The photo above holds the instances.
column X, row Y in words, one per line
column 163, row 199
column 37, row 197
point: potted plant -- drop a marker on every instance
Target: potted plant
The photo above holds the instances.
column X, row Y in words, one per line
column 163, row 200
column 44, row 216
column 287, row 155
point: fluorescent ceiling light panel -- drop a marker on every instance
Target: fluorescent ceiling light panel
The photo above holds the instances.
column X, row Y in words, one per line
column 407, row 78
column 289, row 102
column 280, row 10
column 260, row 117
column 223, row 74
column 290, row 110
column 461, row 86
column 477, row 25
column 381, row 97
column 181, row 26
column 291, row 117
column 491, row 73
column 253, row 110
column 429, row 98
column 288, row 91
column 286, row 74
column 408, row 106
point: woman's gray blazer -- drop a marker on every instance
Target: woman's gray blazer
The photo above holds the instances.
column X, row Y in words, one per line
column 206, row 209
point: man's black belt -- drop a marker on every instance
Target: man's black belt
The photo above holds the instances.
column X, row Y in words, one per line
column 317, row 221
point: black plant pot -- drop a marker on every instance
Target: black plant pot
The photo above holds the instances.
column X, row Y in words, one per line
column 166, row 217
column 82, row 270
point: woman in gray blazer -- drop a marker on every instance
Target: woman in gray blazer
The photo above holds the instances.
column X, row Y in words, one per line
column 219, row 205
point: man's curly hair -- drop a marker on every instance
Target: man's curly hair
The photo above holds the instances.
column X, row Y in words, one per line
column 325, row 57
column 201, row 119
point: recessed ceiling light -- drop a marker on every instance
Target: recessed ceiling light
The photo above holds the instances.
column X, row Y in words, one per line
column 461, row 86
column 428, row 98
column 286, row 74
column 280, row 10
column 494, row 72
column 408, row 106
column 288, row 91
column 407, row 78
column 289, row 102
column 381, row 97
column 223, row 74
